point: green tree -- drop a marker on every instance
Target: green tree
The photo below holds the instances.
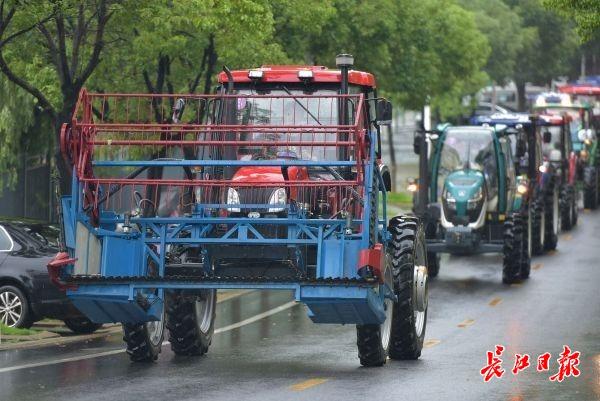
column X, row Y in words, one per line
column 50, row 49
column 547, row 53
column 504, row 30
column 415, row 49
column 586, row 14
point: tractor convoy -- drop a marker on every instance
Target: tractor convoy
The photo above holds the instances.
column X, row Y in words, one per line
column 275, row 182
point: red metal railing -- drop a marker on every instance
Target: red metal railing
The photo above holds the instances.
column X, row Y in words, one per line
column 133, row 152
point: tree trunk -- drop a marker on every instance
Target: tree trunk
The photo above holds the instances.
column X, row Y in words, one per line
column 521, row 96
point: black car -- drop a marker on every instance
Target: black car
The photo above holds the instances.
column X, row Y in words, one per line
column 26, row 292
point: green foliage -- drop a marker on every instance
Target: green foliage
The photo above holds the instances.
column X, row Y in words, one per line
column 505, row 33
column 16, row 117
column 13, row 331
column 430, row 48
column 586, row 14
column 548, row 49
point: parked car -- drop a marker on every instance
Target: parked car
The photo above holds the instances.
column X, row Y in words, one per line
column 26, row 292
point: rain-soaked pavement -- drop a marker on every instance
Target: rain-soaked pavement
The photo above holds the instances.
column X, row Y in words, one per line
column 267, row 349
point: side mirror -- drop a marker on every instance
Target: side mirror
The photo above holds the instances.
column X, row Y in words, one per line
column 417, row 142
column 584, row 134
column 547, row 138
column 521, row 148
column 384, row 112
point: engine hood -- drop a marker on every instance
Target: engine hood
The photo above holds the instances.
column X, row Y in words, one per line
column 461, row 202
column 266, row 174
column 464, row 184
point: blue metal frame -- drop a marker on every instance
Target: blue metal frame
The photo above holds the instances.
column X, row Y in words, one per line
column 125, row 254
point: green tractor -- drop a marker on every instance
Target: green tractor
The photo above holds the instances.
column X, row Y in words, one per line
column 472, row 196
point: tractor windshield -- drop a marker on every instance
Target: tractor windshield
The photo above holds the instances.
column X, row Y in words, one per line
column 468, row 149
column 318, row 109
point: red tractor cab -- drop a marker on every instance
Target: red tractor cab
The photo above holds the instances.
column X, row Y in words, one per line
column 312, row 88
column 560, row 158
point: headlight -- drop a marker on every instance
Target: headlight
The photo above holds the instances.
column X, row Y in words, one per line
column 475, row 199
column 450, row 200
column 233, row 198
column 278, row 197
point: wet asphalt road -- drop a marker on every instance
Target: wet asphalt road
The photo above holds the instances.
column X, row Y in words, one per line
column 267, row 349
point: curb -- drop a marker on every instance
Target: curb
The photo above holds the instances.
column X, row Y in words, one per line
column 61, row 340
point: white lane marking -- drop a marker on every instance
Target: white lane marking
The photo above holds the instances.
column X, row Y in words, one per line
column 118, row 351
column 256, row 318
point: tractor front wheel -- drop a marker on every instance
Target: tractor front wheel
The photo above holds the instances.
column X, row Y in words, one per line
column 515, row 249
column 590, row 187
column 144, row 341
column 191, row 321
column 538, row 227
column 552, row 219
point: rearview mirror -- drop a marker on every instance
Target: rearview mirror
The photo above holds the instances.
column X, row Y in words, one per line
column 521, row 147
column 417, row 142
column 547, row 137
column 384, row 112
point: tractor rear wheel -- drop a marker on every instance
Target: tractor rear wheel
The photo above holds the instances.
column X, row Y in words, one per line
column 590, row 187
column 513, row 249
column 191, row 321
column 144, row 341
column 538, row 227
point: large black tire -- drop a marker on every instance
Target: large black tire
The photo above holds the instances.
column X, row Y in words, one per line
column 82, row 325
column 527, row 249
column 568, row 208
column 538, row 227
column 552, row 209
column 410, row 286
column 191, row 321
column 144, row 341
column 16, row 311
column 406, row 248
column 514, row 250
column 433, row 264
column 590, row 187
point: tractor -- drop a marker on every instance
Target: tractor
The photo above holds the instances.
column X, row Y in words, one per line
column 530, row 163
column 470, row 196
column 562, row 161
column 583, row 126
column 273, row 182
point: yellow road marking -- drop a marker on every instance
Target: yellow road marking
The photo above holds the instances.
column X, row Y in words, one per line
column 466, row 323
column 567, row 237
column 552, row 252
column 537, row 266
column 516, row 284
column 586, row 210
column 495, row 301
column 431, row 343
column 305, row 385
